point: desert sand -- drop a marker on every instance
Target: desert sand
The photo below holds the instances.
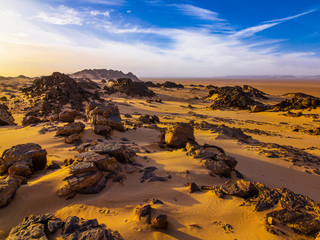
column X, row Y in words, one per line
column 199, row 215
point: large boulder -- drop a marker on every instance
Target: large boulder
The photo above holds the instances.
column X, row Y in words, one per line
column 178, row 135
column 30, row 119
column 239, row 188
column 104, row 114
column 5, row 116
column 68, row 116
column 70, row 129
column 8, row 188
column 19, row 158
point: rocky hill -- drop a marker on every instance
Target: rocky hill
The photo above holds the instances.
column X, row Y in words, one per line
column 104, row 74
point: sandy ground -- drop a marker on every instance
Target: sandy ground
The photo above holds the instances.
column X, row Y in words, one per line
column 115, row 205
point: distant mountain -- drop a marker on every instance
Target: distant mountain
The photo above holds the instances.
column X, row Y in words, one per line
column 99, row 74
column 271, row 77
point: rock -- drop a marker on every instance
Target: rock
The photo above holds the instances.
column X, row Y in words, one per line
column 258, row 108
column 106, row 114
column 297, row 101
column 144, row 211
column 70, row 129
column 54, row 224
column 20, row 169
column 240, row 188
column 160, row 222
column 149, row 119
column 218, row 167
column 169, row 84
column 5, row 116
column 29, row 153
column 128, row 87
column 54, row 166
column 120, row 152
column 194, row 188
column 103, row 130
column 68, row 116
column 8, row 188
column 271, row 221
column 32, row 227
column 71, row 225
column 82, row 167
column 75, row 137
column 28, row 120
column 235, row 97
column 177, row 136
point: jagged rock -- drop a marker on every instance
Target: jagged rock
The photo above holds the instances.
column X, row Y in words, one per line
column 240, row 188
column 235, row 97
column 27, row 120
column 127, row 86
column 104, row 130
column 149, row 119
column 22, row 169
column 54, row 224
column 8, row 188
column 107, row 114
column 177, row 136
column 5, row 116
column 70, row 129
column 160, row 222
column 21, row 155
column 32, row 227
column 271, row 221
column 68, row 116
column 144, row 211
column 169, row 84
column 82, row 167
column 218, row 167
column 297, row 101
column 56, row 91
column 258, row 108
column 116, row 150
column 194, row 188
column 71, row 225
column 75, row 137
column 54, row 166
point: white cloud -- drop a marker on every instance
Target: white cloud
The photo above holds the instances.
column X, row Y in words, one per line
column 291, row 17
column 105, row 2
column 97, row 13
column 61, row 16
column 198, row 12
column 248, row 32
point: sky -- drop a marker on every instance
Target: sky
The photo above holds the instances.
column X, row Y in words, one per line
column 161, row 38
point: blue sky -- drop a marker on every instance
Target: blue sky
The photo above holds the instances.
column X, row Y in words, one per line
column 161, row 38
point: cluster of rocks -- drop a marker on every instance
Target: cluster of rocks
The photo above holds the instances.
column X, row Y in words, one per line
column 19, row 163
column 235, row 97
column 129, row 87
column 43, row 226
column 232, row 132
column 52, row 93
column 166, row 84
column 5, row 116
column 145, row 212
column 93, row 166
column 178, row 135
column 72, row 132
column 297, row 101
column 297, row 212
column 104, row 117
column 148, row 119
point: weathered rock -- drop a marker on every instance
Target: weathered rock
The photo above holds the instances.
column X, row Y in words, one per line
column 8, row 188
column 29, row 153
column 177, row 136
column 68, row 116
column 75, row 137
column 218, row 167
column 149, row 119
column 32, row 227
column 27, row 120
column 271, row 221
column 71, row 225
column 116, row 150
column 104, row 130
column 169, row 84
column 70, row 129
column 5, row 116
column 235, row 97
column 194, row 188
column 240, row 188
column 144, row 211
column 129, row 87
column 160, row 222
column 82, row 167
column 54, row 224
column 21, row 168
column 297, row 101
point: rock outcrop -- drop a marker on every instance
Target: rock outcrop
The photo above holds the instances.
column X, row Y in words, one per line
column 42, row 226
column 23, row 160
column 130, row 88
column 178, row 135
column 72, row 132
column 8, row 188
column 104, row 117
column 52, row 93
column 297, row 101
column 235, row 97
column 5, row 116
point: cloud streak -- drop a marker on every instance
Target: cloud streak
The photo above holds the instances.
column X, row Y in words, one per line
column 198, row 12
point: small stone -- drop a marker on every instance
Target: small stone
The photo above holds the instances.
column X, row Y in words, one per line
column 160, row 222
column 194, row 188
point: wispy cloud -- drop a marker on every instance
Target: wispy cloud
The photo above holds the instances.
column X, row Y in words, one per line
column 248, row 32
column 105, row 2
column 61, row 16
column 198, row 12
column 291, row 17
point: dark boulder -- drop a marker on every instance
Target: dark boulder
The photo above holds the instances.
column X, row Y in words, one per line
column 5, row 116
